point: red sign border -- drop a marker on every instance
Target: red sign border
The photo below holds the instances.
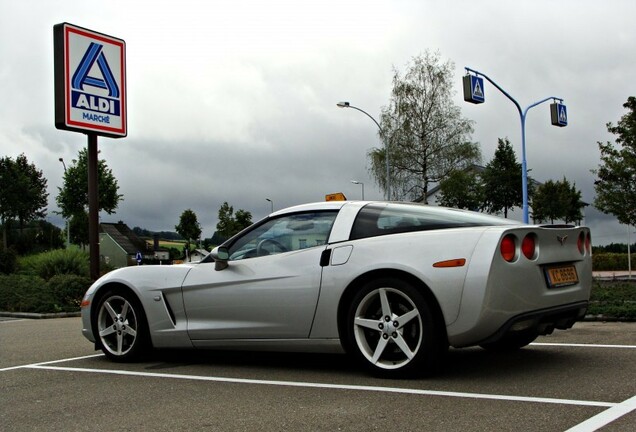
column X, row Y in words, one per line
column 79, row 126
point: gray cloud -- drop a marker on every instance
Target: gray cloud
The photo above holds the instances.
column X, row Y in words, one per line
column 235, row 101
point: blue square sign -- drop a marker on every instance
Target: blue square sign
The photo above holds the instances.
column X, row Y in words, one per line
column 559, row 114
column 474, row 89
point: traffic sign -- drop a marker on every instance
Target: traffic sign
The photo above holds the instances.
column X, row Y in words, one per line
column 90, row 81
column 338, row 196
column 138, row 257
column 558, row 114
column 473, row 89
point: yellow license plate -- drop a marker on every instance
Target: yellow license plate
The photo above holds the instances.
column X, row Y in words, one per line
column 561, row 276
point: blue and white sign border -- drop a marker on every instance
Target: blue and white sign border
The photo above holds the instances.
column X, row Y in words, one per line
column 100, row 111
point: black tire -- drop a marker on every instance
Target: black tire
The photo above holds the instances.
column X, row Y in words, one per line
column 120, row 326
column 511, row 342
column 391, row 330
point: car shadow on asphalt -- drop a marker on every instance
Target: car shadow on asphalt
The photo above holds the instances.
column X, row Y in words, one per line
column 459, row 364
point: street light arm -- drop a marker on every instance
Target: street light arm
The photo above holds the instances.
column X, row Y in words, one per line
column 386, row 144
column 368, row 115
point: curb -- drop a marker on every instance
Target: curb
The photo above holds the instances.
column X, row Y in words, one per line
column 30, row 315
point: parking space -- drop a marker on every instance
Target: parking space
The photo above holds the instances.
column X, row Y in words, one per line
column 51, row 379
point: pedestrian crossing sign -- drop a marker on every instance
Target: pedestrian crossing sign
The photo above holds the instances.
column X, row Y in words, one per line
column 558, row 114
column 474, row 89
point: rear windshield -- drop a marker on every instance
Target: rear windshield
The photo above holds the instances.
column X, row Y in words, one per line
column 382, row 219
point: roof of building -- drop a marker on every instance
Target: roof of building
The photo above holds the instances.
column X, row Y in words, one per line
column 124, row 237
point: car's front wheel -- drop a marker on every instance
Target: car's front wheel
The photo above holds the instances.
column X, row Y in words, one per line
column 120, row 326
column 391, row 329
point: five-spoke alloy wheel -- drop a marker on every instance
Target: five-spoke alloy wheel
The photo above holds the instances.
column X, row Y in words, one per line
column 391, row 329
column 120, row 325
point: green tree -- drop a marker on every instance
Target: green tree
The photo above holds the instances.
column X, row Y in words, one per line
column 73, row 195
column 23, row 195
column 426, row 134
column 189, row 227
column 231, row 223
column 558, row 200
column 616, row 176
column 502, row 180
column 462, row 189
column 242, row 220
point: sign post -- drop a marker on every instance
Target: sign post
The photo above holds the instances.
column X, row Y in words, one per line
column 90, row 97
column 474, row 92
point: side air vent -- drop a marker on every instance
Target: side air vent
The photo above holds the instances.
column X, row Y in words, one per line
column 169, row 309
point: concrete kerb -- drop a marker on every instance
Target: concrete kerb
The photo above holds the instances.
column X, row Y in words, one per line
column 30, row 315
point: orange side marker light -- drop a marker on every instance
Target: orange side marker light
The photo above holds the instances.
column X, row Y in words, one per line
column 458, row 262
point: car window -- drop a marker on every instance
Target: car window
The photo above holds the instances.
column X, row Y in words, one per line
column 381, row 219
column 283, row 234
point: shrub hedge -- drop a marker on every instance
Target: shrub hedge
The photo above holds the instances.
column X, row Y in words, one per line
column 613, row 299
column 56, row 262
column 8, row 261
column 25, row 293
column 607, row 261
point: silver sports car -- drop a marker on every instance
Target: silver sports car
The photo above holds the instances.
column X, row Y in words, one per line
column 393, row 284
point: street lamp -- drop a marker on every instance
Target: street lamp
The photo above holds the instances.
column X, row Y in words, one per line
column 272, row 204
column 68, row 222
column 361, row 184
column 476, row 95
column 386, row 144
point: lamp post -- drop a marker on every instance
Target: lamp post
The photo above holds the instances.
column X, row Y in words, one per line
column 361, row 184
column 272, row 204
column 386, row 144
column 522, row 116
column 68, row 222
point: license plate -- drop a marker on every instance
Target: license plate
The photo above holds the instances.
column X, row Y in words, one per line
column 561, row 276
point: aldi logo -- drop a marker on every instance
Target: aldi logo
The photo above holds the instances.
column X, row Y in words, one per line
column 90, row 87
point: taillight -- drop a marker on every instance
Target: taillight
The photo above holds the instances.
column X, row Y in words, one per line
column 507, row 248
column 528, row 246
column 580, row 243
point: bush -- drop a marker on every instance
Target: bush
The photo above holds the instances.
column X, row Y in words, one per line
column 57, row 262
column 20, row 293
column 8, row 261
column 609, row 261
column 67, row 291
column 613, row 299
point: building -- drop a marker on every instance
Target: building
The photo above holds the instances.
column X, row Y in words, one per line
column 119, row 246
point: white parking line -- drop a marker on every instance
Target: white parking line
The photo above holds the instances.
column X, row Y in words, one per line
column 328, row 386
column 50, row 362
column 583, row 345
column 614, row 411
column 606, row 417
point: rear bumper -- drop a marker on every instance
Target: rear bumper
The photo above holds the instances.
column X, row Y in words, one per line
column 541, row 322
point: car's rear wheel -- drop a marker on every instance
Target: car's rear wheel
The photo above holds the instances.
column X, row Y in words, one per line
column 391, row 329
column 120, row 326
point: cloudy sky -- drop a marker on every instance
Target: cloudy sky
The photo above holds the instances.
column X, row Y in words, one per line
column 236, row 100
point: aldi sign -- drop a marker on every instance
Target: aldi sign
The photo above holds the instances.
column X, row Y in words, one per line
column 90, row 81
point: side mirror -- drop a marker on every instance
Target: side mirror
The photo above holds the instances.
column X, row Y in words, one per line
column 221, row 256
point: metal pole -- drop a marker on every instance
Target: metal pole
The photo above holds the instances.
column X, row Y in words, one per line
column 629, row 250
column 522, row 117
column 93, row 207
